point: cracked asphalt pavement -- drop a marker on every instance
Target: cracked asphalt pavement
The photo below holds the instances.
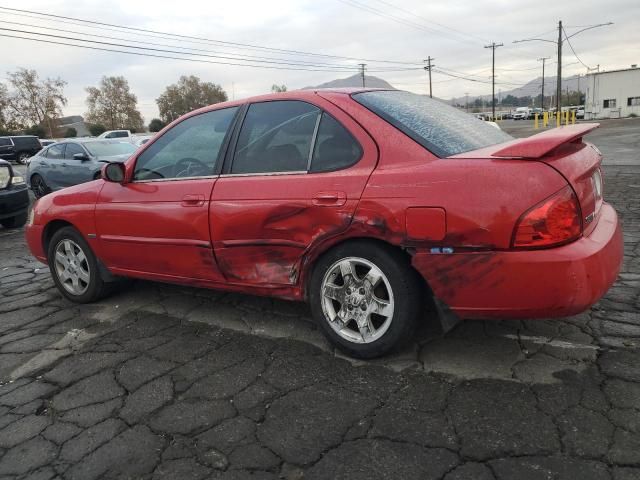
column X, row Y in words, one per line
column 167, row 382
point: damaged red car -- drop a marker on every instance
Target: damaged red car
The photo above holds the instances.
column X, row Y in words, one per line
column 365, row 203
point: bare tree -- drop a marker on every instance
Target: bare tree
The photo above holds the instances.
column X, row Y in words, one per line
column 113, row 105
column 33, row 101
column 188, row 94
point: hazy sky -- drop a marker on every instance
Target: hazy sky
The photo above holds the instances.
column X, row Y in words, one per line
column 453, row 32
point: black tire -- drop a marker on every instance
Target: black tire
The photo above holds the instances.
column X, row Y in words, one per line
column 15, row 222
column 22, row 158
column 96, row 287
column 406, row 289
column 39, row 186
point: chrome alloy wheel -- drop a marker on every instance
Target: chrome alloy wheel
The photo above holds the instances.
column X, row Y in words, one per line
column 72, row 267
column 357, row 300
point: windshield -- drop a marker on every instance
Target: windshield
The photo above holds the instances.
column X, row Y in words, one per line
column 440, row 128
column 109, row 149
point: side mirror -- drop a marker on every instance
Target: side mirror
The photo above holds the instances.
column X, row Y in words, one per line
column 80, row 156
column 113, row 172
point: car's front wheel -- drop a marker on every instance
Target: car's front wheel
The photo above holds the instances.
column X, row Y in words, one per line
column 74, row 267
column 365, row 297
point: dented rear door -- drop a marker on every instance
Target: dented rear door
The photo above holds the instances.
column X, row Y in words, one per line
column 263, row 222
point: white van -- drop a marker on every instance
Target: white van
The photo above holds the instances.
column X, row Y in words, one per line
column 522, row 113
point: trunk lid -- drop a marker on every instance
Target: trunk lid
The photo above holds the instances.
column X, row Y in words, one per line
column 563, row 150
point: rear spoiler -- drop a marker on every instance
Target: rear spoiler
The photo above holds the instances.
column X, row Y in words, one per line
column 540, row 144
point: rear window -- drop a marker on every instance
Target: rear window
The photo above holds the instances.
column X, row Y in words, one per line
column 438, row 127
column 30, row 142
column 4, row 142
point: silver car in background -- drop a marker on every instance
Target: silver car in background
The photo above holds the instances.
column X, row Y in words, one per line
column 73, row 161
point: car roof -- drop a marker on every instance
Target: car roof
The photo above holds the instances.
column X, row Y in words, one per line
column 301, row 95
column 18, row 136
column 92, row 140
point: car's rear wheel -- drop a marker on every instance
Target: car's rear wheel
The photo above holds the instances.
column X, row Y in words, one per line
column 22, row 158
column 365, row 298
column 74, row 267
column 39, row 186
column 14, row 222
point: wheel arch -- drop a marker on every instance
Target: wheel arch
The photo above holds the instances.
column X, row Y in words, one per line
column 311, row 260
column 50, row 229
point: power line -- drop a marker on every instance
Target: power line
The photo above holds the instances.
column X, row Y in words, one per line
column 165, row 56
column 190, row 38
column 430, row 21
column 400, row 20
column 268, row 64
column 572, row 49
column 236, row 56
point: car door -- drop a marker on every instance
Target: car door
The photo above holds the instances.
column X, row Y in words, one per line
column 75, row 170
column 157, row 222
column 53, row 168
column 295, row 176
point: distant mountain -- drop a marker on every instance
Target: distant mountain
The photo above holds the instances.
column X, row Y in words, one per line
column 533, row 88
column 354, row 81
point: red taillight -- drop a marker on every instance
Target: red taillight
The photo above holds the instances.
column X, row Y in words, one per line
column 553, row 221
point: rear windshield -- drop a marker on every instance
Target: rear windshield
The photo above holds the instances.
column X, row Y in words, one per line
column 440, row 128
column 109, row 148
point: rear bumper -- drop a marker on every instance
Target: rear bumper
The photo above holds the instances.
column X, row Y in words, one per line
column 555, row 282
column 14, row 201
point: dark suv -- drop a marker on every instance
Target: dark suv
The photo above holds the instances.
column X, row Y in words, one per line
column 14, row 197
column 19, row 147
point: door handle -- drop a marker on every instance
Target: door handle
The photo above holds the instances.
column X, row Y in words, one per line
column 193, row 200
column 330, row 199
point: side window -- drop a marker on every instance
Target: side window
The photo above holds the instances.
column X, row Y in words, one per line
column 56, row 151
column 275, row 137
column 4, row 142
column 190, row 149
column 72, row 149
column 335, row 147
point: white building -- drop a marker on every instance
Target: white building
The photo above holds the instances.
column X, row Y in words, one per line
column 612, row 94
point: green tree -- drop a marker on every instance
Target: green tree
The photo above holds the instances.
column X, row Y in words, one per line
column 34, row 101
column 188, row 94
column 155, row 125
column 114, row 105
column 278, row 88
column 71, row 133
column 96, row 129
column 37, row 130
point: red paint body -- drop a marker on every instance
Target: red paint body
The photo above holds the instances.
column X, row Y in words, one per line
column 262, row 233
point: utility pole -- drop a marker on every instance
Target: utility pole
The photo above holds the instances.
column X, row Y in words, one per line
column 543, row 60
column 428, row 68
column 493, row 47
column 559, row 46
column 362, row 67
column 559, row 79
column 466, row 103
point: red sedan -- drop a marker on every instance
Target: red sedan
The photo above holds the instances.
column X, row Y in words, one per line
column 363, row 202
